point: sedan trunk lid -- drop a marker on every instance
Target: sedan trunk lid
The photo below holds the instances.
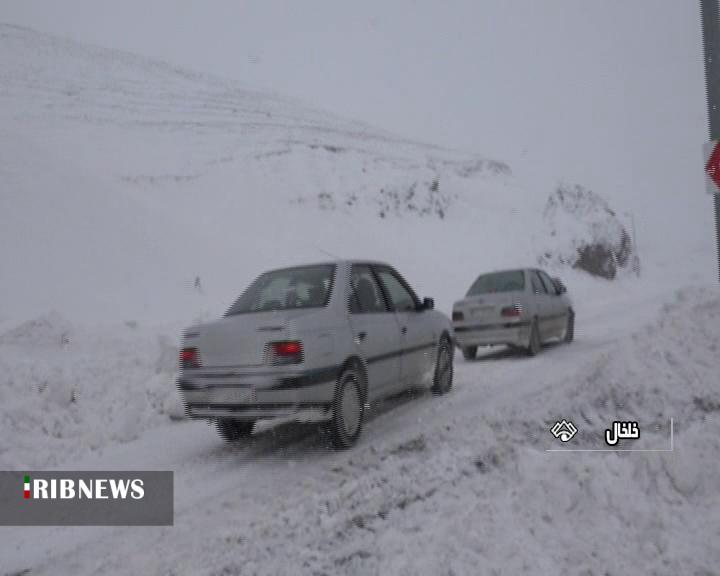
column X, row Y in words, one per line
column 487, row 308
column 241, row 340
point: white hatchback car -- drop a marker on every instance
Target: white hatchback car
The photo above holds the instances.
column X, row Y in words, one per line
column 316, row 342
column 521, row 308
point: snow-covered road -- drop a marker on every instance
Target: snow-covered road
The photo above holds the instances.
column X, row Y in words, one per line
column 438, row 485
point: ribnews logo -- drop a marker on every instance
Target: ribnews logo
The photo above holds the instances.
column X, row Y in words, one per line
column 125, row 498
column 68, row 488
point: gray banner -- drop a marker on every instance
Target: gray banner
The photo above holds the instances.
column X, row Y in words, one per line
column 96, row 498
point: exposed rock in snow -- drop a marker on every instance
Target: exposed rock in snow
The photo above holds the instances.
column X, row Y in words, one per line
column 586, row 233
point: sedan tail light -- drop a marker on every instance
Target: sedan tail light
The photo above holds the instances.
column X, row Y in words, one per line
column 513, row 311
column 189, row 358
column 286, row 352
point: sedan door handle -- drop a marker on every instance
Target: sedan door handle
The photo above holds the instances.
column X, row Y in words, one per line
column 404, row 330
column 360, row 337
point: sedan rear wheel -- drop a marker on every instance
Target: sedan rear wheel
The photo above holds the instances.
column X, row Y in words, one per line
column 348, row 410
column 443, row 368
column 469, row 352
column 233, row 430
column 570, row 327
column 534, row 345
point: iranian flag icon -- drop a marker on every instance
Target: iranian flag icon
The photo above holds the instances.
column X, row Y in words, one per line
column 26, row 491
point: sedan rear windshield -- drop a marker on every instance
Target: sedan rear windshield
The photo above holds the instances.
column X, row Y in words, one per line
column 287, row 289
column 510, row 281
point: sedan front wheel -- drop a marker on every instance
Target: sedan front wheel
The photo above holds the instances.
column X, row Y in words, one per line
column 442, row 381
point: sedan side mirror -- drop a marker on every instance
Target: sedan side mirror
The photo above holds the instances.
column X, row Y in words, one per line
column 559, row 286
column 428, row 304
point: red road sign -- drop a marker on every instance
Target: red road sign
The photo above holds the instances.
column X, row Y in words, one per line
column 712, row 167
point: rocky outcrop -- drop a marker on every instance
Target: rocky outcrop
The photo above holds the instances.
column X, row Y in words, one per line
column 585, row 233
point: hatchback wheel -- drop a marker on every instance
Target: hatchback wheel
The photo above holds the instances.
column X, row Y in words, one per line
column 570, row 327
column 442, row 382
column 469, row 352
column 348, row 410
column 233, row 430
column 534, row 345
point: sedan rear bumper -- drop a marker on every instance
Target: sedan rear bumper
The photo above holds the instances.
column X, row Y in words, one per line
column 256, row 395
column 252, row 414
column 516, row 333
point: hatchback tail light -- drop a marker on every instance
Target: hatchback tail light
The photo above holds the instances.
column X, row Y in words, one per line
column 286, row 352
column 513, row 311
column 189, row 358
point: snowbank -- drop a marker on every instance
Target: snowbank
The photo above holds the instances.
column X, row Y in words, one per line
column 67, row 390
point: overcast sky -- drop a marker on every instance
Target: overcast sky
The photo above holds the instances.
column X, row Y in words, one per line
column 609, row 93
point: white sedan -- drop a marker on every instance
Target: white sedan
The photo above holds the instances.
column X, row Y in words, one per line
column 521, row 308
column 315, row 342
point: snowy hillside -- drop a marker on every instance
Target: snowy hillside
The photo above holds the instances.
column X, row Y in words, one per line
column 125, row 181
column 125, row 178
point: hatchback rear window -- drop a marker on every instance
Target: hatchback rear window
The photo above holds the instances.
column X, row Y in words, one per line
column 287, row 289
column 510, row 281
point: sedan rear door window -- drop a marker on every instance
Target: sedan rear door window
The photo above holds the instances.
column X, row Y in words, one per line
column 537, row 284
column 365, row 294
